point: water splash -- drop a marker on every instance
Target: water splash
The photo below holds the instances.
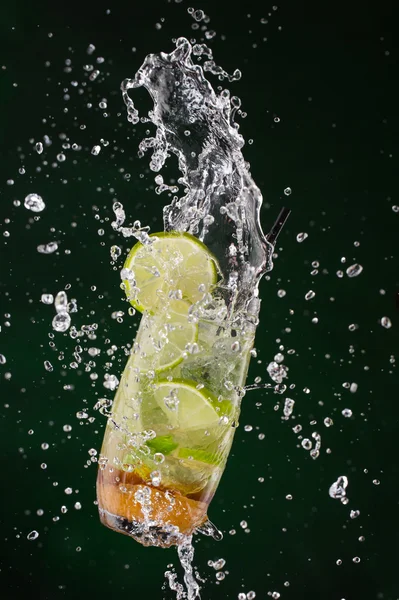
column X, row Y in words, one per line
column 221, row 204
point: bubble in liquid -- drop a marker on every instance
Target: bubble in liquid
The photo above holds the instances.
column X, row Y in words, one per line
column 155, row 477
column 34, row 202
column 33, row 535
column 354, row 270
column 386, row 322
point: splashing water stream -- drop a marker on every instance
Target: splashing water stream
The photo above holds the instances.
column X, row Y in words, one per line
column 222, row 202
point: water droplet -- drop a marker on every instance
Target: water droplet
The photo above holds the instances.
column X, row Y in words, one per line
column 306, row 443
column 288, row 191
column 33, row 535
column 338, row 488
column 386, row 322
column 347, row 413
column 218, row 564
column 34, row 202
column 288, row 407
column 61, row 322
column 111, row 382
column 96, row 150
column 354, row 514
column 310, row 294
column 354, row 270
column 47, row 298
column 301, row 237
column 47, row 248
column 198, row 15
column 277, row 372
column 48, row 366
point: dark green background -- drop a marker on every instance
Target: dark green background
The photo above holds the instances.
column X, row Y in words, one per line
column 330, row 74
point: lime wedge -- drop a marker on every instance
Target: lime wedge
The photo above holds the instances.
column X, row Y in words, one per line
column 184, row 406
column 162, row 338
column 172, row 261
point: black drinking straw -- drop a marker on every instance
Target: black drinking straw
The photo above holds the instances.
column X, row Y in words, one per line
column 278, row 225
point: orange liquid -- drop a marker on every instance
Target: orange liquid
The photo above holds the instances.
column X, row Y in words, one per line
column 170, row 512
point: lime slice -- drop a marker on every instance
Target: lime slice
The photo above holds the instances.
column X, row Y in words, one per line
column 184, row 406
column 163, row 443
column 173, row 261
column 211, row 458
column 162, row 338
